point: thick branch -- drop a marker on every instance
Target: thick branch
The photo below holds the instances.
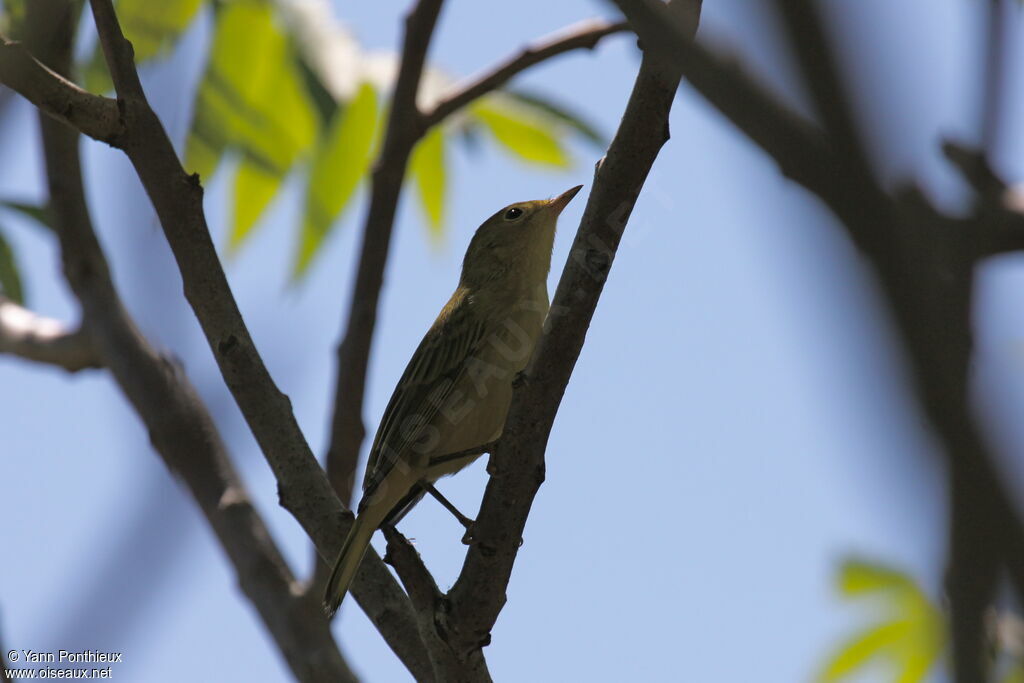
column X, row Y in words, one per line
column 43, row 340
column 517, row 463
column 180, row 427
column 427, row 599
column 404, row 128
column 585, row 34
column 53, row 94
column 302, row 487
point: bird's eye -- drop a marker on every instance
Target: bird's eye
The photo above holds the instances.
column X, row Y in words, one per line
column 513, row 213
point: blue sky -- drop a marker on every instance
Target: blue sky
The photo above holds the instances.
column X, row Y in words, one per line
column 738, row 421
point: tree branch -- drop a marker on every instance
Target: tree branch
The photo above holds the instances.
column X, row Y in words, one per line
column 517, row 463
column 997, row 36
column 180, row 427
column 302, row 487
column 177, row 198
column 58, row 97
column 927, row 267
column 426, row 599
column 924, row 260
column 585, row 34
column 404, row 128
column 43, row 340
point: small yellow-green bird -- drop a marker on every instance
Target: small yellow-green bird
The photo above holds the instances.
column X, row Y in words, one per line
column 456, row 390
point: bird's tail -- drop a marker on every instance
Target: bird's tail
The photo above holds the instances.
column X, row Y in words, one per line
column 349, row 559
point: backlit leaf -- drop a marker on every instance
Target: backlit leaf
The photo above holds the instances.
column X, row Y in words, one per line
column 12, row 18
column 910, row 639
column 1015, row 674
column 10, row 277
column 862, row 648
column 548, row 107
column 857, row 577
column 340, row 164
column 252, row 99
column 521, row 132
column 427, row 168
column 152, row 27
column 255, row 188
column 40, row 214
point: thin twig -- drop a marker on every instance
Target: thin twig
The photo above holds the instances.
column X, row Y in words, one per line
column 583, row 35
column 996, row 41
column 404, row 128
column 418, row 582
column 94, row 115
column 517, row 463
column 44, row 340
column 179, row 425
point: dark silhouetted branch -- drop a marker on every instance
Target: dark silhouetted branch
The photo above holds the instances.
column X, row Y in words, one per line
column 58, row 97
column 926, row 264
column 179, row 425
column 401, row 133
column 583, row 35
column 517, row 463
column 426, row 600
column 302, row 487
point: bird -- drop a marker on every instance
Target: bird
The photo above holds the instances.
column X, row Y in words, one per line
column 453, row 398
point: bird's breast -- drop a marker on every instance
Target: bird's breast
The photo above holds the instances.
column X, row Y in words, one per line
column 475, row 411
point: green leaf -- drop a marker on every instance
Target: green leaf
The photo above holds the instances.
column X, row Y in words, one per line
column 341, row 162
column 324, row 103
column 252, row 99
column 1015, row 674
column 521, row 131
column 10, row 278
column 545, row 106
column 857, row 577
column 428, row 172
column 255, row 188
column 12, row 18
column 913, row 637
column 923, row 646
column 40, row 214
column 862, row 648
column 152, row 27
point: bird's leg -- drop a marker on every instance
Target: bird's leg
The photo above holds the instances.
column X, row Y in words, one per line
column 463, row 519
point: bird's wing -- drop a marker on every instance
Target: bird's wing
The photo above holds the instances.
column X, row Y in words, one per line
column 428, row 380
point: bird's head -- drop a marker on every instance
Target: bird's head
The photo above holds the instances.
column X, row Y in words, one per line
column 514, row 245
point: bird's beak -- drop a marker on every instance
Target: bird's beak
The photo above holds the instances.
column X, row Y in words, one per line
column 559, row 202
